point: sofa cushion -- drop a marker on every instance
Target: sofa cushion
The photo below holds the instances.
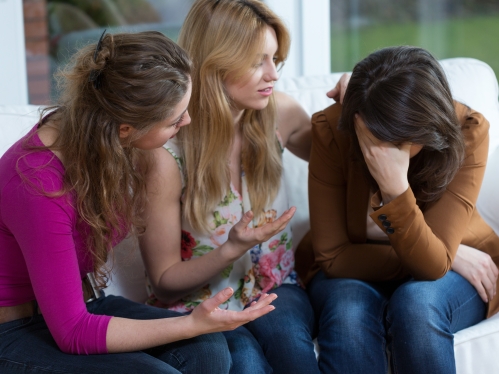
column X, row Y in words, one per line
column 15, row 121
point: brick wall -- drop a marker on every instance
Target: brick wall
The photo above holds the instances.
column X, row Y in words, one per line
column 37, row 51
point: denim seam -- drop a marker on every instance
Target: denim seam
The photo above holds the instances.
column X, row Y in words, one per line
column 35, row 367
column 460, row 307
column 179, row 358
column 381, row 321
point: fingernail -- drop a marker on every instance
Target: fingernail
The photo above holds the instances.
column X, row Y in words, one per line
column 228, row 291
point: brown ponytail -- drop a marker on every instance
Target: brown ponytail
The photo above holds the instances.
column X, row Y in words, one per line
column 142, row 77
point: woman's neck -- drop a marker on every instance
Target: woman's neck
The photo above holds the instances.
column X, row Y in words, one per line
column 237, row 116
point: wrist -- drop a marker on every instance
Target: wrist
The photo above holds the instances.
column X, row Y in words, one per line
column 389, row 194
column 230, row 252
column 189, row 326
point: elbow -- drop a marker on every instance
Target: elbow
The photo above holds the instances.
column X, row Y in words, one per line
column 167, row 300
column 329, row 270
column 165, row 296
column 66, row 349
column 68, row 346
column 431, row 273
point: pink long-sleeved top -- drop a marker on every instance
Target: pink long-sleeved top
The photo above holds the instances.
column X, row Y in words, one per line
column 42, row 248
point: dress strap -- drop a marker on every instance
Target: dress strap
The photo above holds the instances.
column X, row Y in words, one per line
column 172, row 147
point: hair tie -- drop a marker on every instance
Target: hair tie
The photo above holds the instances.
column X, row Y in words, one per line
column 95, row 76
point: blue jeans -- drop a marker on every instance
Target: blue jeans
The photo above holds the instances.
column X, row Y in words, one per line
column 414, row 320
column 26, row 346
column 279, row 342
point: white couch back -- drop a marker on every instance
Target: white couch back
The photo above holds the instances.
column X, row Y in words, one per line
column 472, row 82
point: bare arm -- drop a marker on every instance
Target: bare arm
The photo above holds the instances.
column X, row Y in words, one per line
column 294, row 126
column 126, row 335
column 170, row 277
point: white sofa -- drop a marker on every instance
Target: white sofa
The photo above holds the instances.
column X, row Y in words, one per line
column 472, row 82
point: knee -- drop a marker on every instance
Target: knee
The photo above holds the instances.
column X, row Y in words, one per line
column 415, row 306
column 415, row 300
column 352, row 305
column 213, row 352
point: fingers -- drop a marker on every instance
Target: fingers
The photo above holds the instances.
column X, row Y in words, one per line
column 270, row 229
column 486, row 274
column 488, row 287
column 263, row 301
column 491, row 274
column 477, row 268
column 364, row 134
column 254, row 311
column 287, row 215
column 484, row 277
column 481, row 291
column 495, row 271
column 245, row 220
column 334, row 93
column 220, row 298
column 338, row 92
column 251, row 315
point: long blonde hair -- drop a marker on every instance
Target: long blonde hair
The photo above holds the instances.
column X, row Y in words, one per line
column 134, row 79
column 223, row 38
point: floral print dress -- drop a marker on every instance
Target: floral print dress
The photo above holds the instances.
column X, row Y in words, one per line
column 261, row 269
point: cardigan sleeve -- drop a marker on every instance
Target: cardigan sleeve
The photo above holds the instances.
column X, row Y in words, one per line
column 426, row 242
column 423, row 245
column 336, row 255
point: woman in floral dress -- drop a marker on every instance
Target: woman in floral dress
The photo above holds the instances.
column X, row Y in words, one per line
column 218, row 212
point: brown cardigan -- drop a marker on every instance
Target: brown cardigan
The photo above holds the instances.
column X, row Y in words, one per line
column 423, row 244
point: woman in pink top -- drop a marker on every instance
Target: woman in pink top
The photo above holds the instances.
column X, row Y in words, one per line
column 73, row 188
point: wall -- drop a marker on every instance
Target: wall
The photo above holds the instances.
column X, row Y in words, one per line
column 308, row 22
column 14, row 89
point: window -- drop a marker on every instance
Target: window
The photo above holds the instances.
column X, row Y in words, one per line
column 447, row 28
column 70, row 24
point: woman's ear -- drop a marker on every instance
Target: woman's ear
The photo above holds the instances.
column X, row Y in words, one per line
column 126, row 131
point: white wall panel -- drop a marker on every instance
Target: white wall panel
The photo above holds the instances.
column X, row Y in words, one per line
column 309, row 25
column 13, row 79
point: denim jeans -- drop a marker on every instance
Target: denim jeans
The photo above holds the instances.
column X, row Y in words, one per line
column 414, row 320
column 279, row 342
column 26, row 346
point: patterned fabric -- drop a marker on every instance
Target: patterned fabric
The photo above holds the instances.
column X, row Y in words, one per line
column 259, row 270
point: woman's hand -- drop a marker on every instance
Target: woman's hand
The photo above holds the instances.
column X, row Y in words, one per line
column 242, row 238
column 338, row 92
column 207, row 317
column 477, row 268
column 387, row 163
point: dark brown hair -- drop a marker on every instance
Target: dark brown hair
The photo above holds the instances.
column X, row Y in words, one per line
column 402, row 95
column 141, row 78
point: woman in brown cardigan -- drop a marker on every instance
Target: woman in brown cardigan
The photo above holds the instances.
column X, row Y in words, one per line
column 402, row 258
